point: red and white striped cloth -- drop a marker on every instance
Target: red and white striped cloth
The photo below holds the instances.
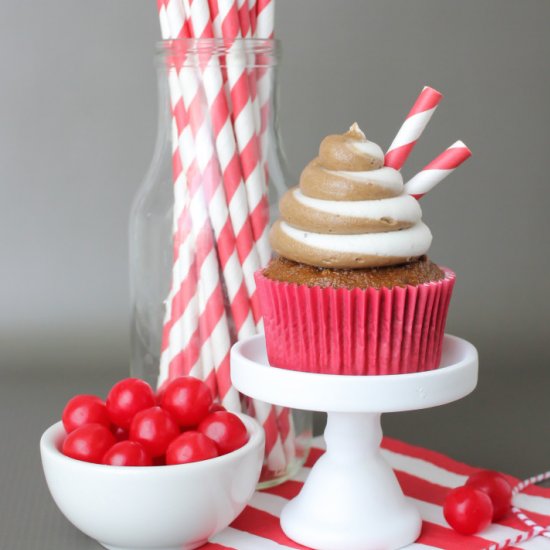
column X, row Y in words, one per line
column 425, row 476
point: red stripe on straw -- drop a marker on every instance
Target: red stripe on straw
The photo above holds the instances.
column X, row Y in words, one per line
column 428, row 99
column 397, row 157
column 450, row 159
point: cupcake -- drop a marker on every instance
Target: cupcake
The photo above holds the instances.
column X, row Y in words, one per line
column 352, row 290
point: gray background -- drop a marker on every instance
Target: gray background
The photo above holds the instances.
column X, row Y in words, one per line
column 77, row 129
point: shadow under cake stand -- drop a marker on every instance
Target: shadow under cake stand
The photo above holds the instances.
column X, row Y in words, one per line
column 351, row 499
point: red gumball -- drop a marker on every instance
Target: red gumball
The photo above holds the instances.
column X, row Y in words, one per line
column 190, row 447
column 226, row 430
column 154, row 428
column 468, row 510
column 127, row 453
column 127, row 398
column 496, row 487
column 84, row 409
column 216, row 407
column 88, row 443
column 187, row 399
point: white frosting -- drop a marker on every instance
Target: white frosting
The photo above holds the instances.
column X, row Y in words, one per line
column 401, row 208
column 368, row 148
column 385, row 177
column 411, row 242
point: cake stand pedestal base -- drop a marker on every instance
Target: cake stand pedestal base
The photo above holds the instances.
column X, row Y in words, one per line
column 351, row 499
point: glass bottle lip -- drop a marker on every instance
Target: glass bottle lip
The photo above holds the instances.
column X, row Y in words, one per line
column 266, row 51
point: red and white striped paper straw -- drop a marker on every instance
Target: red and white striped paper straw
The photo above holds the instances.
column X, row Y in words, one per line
column 252, row 14
column 227, row 206
column 244, row 123
column 202, row 179
column 227, row 153
column 180, row 327
column 200, row 161
column 186, row 346
column 201, row 26
column 265, row 15
column 437, row 170
column 411, row 130
column 214, row 332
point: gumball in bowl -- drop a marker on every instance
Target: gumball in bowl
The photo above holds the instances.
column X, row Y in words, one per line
column 175, row 507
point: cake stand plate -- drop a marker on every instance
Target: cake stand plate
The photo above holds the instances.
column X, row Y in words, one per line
column 351, row 499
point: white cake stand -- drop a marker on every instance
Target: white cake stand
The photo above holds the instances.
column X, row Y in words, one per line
column 351, row 499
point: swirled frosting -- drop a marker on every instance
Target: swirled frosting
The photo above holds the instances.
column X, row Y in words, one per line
column 349, row 211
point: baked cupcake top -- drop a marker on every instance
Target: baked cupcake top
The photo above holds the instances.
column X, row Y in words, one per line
column 349, row 211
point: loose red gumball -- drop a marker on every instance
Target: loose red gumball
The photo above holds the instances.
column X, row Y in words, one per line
column 190, row 447
column 187, row 399
column 496, row 487
column 226, row 430
column 127, row 453
column 216, row 407
column 84, row 409
column 127, row 398
column 468, row 510
column 154, row 428
column 88, row 443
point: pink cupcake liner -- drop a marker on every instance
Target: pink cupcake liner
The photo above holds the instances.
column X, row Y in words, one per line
column 358, row 332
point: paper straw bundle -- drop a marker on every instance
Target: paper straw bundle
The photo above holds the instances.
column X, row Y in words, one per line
column 220, row 200
column 407, row 137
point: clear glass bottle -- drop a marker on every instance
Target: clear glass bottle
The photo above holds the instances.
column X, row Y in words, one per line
column 188, row 137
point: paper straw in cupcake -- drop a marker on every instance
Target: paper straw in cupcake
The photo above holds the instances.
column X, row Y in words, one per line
column 438, row 169
column 411, row 130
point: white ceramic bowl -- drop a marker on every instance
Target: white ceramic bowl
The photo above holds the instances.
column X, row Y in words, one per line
column 158, row 507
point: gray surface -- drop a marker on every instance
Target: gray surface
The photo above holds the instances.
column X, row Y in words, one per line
column 77, row 127
column 493, row 428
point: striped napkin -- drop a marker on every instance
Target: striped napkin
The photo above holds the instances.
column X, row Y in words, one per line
column 424, row 475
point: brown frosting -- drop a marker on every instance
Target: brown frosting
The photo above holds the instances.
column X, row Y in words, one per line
column 317, row 182
column 310, row 219
column 289, row 248
column 338, row 153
